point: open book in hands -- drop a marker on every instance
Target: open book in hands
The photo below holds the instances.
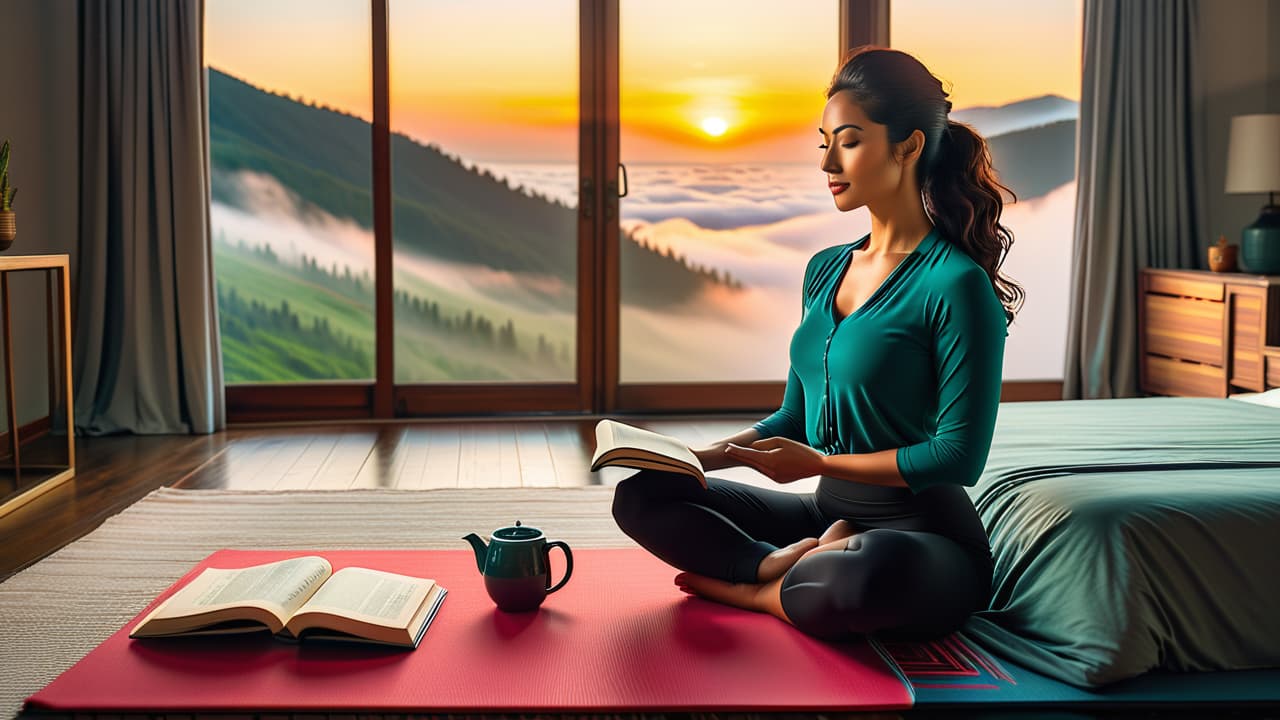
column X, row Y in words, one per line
column 300, row 598
column 628, row 446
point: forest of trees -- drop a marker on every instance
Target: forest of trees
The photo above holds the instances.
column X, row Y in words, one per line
column 265, row 339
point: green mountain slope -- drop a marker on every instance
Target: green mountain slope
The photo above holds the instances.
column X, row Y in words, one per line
column 440, row 209
column 1037, row 160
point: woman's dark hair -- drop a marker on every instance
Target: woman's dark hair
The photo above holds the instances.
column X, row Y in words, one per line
column 961, row 192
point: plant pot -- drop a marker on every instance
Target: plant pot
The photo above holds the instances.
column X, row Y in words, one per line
column 1222, row 258
column 8, row 229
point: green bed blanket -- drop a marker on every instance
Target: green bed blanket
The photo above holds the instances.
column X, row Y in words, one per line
column 1133, row 534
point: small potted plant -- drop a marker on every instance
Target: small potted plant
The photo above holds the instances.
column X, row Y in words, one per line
column 8, row 219
column 1222, row 257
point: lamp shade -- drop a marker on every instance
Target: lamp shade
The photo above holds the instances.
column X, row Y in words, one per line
column 1253, row 154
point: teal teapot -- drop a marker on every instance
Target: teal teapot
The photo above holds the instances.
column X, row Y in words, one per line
column 516, row 566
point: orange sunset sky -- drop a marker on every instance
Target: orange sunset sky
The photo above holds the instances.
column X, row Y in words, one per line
column 702, row 80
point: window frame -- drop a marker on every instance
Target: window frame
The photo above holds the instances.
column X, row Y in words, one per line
column 596, row 388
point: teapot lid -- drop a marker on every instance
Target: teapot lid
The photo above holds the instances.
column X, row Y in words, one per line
column 517, row 533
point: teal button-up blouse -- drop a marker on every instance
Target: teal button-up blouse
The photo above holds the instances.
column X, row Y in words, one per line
column 917, row 367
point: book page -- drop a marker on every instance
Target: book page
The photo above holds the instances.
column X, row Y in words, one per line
column 611, row 435
column 281, row 586
column 372, row 596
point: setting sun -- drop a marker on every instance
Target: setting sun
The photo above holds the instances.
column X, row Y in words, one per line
column 714, row 126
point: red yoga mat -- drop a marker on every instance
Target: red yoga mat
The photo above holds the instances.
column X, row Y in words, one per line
column 620, row 636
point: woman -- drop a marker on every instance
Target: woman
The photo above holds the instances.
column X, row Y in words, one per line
column 891, row 398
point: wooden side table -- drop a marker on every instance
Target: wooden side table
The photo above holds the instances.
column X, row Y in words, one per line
column 21, row 482
column 1206, row 333
column 1271, row 360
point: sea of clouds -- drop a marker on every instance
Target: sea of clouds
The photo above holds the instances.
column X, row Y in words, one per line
column 761, row 223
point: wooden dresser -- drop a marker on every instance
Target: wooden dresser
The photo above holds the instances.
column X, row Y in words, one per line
column 1206, row 333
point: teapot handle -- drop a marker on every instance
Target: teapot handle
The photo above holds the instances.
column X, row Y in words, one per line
column 568, row 564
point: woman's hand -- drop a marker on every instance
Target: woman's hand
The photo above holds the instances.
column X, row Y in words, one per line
column 714, row 457
column 781, row 459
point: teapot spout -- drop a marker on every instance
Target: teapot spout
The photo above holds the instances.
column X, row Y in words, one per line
column 481, row 549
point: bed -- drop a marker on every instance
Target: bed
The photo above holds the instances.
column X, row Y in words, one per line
column 1133, row 534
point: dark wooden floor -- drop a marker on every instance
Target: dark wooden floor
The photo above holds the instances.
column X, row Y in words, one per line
column 114, row 472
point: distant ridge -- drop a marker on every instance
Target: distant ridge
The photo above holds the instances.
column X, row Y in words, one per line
column 1036, row 161
column 1019, row 115
column 1032, row 142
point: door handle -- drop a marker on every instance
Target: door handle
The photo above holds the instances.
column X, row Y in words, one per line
column 587, row 197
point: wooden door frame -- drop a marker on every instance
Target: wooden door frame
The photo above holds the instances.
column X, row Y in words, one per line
column 861, row 22
column 596, row 388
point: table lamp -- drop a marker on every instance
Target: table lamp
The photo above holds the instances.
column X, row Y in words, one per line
column 1253, row 166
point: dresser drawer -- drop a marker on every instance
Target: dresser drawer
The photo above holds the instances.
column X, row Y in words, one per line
column 1246, row 338
column 1184, row 328
column 1272, row 360
column 1174, row 377
column 1181, row 286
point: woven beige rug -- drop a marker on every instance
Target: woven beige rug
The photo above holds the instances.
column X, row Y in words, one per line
column 59, row 609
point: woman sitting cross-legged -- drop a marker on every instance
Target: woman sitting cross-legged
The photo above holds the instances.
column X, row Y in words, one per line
column 891, row 398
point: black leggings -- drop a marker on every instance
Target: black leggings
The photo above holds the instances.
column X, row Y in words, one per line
column 918, row 566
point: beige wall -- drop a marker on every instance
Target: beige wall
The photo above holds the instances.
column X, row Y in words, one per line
column 38, row 115
column 1240, row 55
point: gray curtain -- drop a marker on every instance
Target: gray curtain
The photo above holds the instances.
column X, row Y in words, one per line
column 1138, row 177
column 146, row 351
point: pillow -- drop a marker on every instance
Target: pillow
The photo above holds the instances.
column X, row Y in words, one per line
column 1270, row 398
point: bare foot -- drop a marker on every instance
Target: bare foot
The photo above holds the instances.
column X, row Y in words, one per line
column 742, row 595
column 839, row 530
column 760, row 597
column 777, row 563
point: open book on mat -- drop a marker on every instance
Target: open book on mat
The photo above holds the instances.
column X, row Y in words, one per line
column 627, row 446
column 300, row 598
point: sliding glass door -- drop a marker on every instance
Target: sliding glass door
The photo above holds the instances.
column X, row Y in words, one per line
column 420, row 207
column 291, row 193
column 1014, row 73
column 720, row 105
column 484, row 152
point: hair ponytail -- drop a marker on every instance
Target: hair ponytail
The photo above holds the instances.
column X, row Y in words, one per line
column 963, row 197
column 959, row 185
